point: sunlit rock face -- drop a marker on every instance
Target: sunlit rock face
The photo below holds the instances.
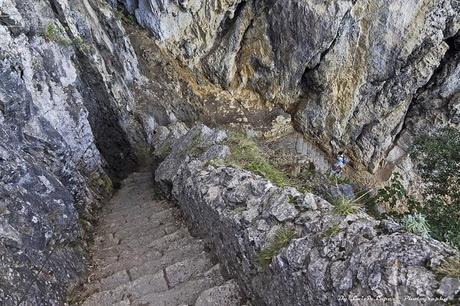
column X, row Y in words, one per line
column 347, row 71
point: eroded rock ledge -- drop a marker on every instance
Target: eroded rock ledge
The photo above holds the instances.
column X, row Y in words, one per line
column 332, row 259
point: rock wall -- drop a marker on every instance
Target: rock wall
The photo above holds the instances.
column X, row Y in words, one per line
column 66, row 68
column 333, row 260
column 347, row 71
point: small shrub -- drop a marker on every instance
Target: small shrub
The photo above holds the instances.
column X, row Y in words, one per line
column 344, row 206
column 450, row 267
column 438, row 163
column 282, row 238
column 121, row 15
column 393, row 193
column 396, row 197
column 338, row 179
column 82, row 45
column 51, row 32
column 417, row 224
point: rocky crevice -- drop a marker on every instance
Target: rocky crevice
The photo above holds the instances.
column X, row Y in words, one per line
column 427, row 101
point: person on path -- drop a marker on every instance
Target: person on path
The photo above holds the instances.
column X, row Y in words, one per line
column 339, row 164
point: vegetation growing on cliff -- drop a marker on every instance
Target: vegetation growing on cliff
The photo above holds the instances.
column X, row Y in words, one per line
column 247, row 154
column 58, row 35
column 450, row 267
column 417, row 224
column 282, row 238
column 438, row 213
column 54, row 33
column 282, row 168
column 438, row 163
column 344, row 206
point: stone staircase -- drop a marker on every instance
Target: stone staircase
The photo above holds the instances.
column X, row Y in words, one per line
column 143, row 254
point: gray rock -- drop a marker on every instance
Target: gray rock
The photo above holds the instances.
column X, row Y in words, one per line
column 309, row 202
column 450, row 287
column 63, row 124
column 282, row 210
column 341, row 191
column 333, row 260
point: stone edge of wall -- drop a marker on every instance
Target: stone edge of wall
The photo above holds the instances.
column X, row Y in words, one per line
column 334, row 260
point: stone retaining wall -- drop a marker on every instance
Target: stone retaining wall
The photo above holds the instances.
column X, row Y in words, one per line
column 333, row 260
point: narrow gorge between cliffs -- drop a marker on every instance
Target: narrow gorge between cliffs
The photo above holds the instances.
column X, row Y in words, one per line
column 229, row 152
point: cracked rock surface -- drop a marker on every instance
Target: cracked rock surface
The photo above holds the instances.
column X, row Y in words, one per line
column 347, row 71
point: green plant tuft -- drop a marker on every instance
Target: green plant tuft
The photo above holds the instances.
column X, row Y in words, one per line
column 332, row 231
column 437, row 158
column 248, row 155
column 417, row 224
column 81, row 44
column 344, row 206
column 282, row 238
column 338, row 179
column 53, row 33
column 120, row 14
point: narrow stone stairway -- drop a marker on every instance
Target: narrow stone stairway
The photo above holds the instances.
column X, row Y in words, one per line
column 143, row 254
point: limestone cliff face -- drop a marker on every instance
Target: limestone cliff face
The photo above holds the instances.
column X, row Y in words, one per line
column 347, row 71
column 65, row 72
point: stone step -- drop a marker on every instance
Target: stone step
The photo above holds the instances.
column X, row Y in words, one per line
column 163, row 280
column 227, row 294
column 138, row 269
column 185, row 293
column 147, row 236
column 176, row 255
column 132, row 198
column 127, row 207
column 134, row 231
column 144, row 255
column 184, row 268
column 137, row 193
column 114, row 265
column 113, row 219
column 153, row 249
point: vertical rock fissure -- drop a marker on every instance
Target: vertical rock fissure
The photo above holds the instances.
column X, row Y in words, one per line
column 449, row 56
column 110, row 138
